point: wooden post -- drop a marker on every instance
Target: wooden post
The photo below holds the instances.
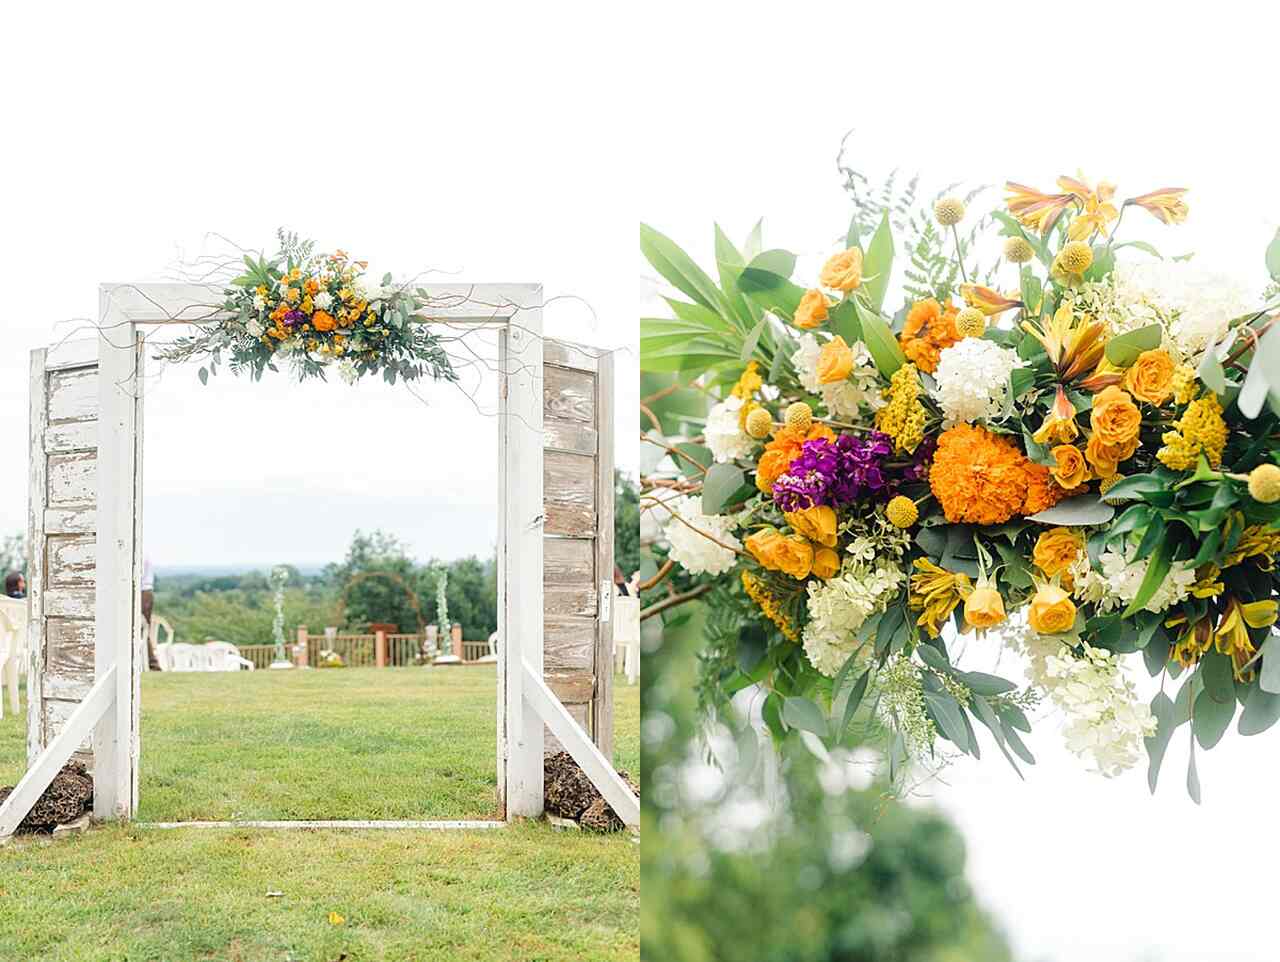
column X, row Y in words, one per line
column 602, row 703
column 380, row 648
column 455, row 635
column 300, row 649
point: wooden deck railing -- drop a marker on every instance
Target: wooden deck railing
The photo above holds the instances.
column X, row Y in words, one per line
column 359, row 650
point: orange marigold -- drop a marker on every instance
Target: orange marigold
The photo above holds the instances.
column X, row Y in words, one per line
column 1042, row 491
column 785, row 448
column 929, row 328
column 978, row 477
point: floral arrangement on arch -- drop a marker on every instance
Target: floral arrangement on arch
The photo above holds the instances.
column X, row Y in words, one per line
column 314, row 310
column 1068, row 455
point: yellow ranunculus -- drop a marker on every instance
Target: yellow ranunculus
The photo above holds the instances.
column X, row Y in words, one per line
column 1071, row 470
column 842, row 272
column 984, row 607
column 1151, row 377
column 1115, row 418
column 1052, row 611
column 835, row 361
column 812, row 310
column 826, row 563
column 817, row 523
column 1105, row 458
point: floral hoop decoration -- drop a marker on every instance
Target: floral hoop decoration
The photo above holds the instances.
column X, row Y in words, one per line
column 1079, row 467
column 314, row 310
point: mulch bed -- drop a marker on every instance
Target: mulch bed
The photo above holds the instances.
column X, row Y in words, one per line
column 67, row 798
column 568, row 793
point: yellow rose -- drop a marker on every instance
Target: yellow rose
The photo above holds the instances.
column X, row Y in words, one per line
column 1071, row 471
column 812, row 310
column 1105, row 458
column 835, row 361
column 826, row 563
column 761, row 544
column 984, row 607
column 1115, row 418
column 1057, row 550
column 817, row 523
column 1151, row 377
column 790, row 554
column 842, row 272
column 1052, row 611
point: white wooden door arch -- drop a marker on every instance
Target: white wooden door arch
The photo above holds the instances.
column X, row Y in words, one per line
column 91, row 460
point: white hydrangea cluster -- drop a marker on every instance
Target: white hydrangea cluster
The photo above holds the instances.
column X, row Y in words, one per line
column 1105, row 720
column 724, row 434
column 1117, row 579
column 839, row 606
column 693, row 551
column 1192, row 303
column 873, row 536
column 844, row 398
column 973, row 380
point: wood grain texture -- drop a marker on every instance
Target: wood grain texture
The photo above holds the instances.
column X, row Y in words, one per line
column 56, row 714
column 566, row 354
column 73, row 395
column 71, row 561
column 73, row 478
column 77, row 519
column 569, row 644
column 602, row 704
column 69, row 603
column 569, row 494
column 68, row 436
column 570, row 395
column 560, row 434
column 37, row 492
column 70, row 644
column 572, row 687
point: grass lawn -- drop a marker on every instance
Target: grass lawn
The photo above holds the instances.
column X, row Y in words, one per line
column 408, row 743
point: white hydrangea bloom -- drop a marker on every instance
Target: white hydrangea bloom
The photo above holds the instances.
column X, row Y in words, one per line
column 1116, row 582
column 724, row 434
column 1105, row 720
column 323, row 300
column 839, row 606
column 255, row 328
column 691, row 549
column 973, row 380
column 842, row 399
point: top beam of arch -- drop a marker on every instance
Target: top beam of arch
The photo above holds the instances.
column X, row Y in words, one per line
column 479, row 305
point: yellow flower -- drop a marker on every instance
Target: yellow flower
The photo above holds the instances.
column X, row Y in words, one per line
column 790, row 554
column 903, row 418
column 749, row 382
column 970, row 322
column 1184, row 384
column 826, row 563
column 1060, row 426
column 901, row 511
column 1018, row 251
column 1196, row 640
column 812, row 311
column 798, row 416
column 817, row 523
column 1097, row 209
column 1052, row 611
column 1034, row 209
column 1256, row 541
column 1114, row 417
column 948, row 211
column 1200, row 430
column 1165, row 204
column 1151, row 377
column 1073, row 347
column 1056, row 551
column 984, row 607
column 1105, row 458
column 986, row 300
column 1071, row 470
column 1264, row 483
column 1232, row 637
column 842, row 272
column 935, row 592
column 769, row 605
column 759, row 423
column 835, row 361
column 1074, row 258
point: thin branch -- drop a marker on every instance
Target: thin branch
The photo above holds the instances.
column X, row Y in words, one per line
column 661, row 606
column 665, row 570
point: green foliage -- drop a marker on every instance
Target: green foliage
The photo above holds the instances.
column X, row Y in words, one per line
column 626, row 524
column 13, row 554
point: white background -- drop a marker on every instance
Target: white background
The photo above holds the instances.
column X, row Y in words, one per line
column 488, row 147
column 744, row 114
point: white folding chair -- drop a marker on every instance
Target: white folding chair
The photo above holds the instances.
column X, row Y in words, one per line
column 492, row 656
column 626, row 635
column 224, row 656
column 13, row 649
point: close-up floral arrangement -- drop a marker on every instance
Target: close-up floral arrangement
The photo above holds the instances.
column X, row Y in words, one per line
column 1068, row 456
column 314, row 310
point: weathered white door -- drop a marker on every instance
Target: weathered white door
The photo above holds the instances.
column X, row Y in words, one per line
column 577, row 421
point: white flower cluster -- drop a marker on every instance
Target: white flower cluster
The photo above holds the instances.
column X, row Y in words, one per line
column 1119, row 578
column 873, row 536
column 1192, row 303
column 839, row 606
column 901, row 705
column 725, row 436
column 844, row 398
column 973, row 380
column 1105, row 721
column 692, row 550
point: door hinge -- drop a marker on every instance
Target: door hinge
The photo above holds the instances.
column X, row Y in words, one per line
column 606, row 598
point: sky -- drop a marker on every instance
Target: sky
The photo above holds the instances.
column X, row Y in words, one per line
column 746, row 120
column 482, row 148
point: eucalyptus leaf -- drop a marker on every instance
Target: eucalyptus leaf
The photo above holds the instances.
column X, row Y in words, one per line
column 721, row 483
column 1083, row 509
column 1269, row 676
column 1163, row 710
column 804, row 714
column 949, row 717
column 1211, row 718
column 1124, row 349
column 1261, row 711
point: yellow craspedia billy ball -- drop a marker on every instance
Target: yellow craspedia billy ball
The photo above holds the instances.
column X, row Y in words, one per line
column 759, row 423
column 1264, row 483
column 1075, row 257
column 1107, row 484
column 798, row 416
column 902, row 512
column 949, row 211
column 970, row 322
column 1017, row 250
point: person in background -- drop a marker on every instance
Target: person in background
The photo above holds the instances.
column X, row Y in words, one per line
column 148, row 603
column 15, row 586
column 620, row 581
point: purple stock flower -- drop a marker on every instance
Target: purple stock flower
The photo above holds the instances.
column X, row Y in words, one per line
column 834, row 472
column 921, row 461
column 293, row 317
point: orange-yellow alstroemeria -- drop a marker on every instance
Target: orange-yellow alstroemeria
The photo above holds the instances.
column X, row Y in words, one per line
column 1096, row 209
column 1035, row 209
column 986, row 300
column 1166, row 204
column 1103, row 376
column 1072, row 347
column 1060, row 424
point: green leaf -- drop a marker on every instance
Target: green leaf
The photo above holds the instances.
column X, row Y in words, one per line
column 934, row 658
column 1273, row 257
column 749, row 345
column 884, row 348
column 854, row 700
column 1157, row 569
column 1269, row 677
column 1083, row 509
column 1124, row 349
column 1032, row 292
column 1211, row 718
column 694, row 454
column 878, row 264
column 1261, row 710
column 721, row 483
column 1193, row 777
column 1137, row 485
column 1216, row 673
column 1162, row 709
column 679, row 269
column 1211, row 372
column 949, row 716
column 1142, row 246
column 766, row 282
column 204, row 375
column 981, row 683
column 804, row 714
column 844, row 321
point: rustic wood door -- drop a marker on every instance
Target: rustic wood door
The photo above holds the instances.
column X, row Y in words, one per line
column 578, row 529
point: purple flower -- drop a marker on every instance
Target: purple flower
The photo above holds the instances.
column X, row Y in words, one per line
column 834, row 472
column 921, row 461
column 293, row 317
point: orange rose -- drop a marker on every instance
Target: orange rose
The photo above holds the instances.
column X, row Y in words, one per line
column 1151, row 377
column 842, row 272
column 1052, row 611
column 984, row 607
column 761, row 544
column 817, row 524
column 835, row 361
column 826, row 563
column 812, row 310
column 790, row 554
column 1105, row 458
column 1057, row 550
column 1071, row 471
column 1115, row 418
column 323, row 321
